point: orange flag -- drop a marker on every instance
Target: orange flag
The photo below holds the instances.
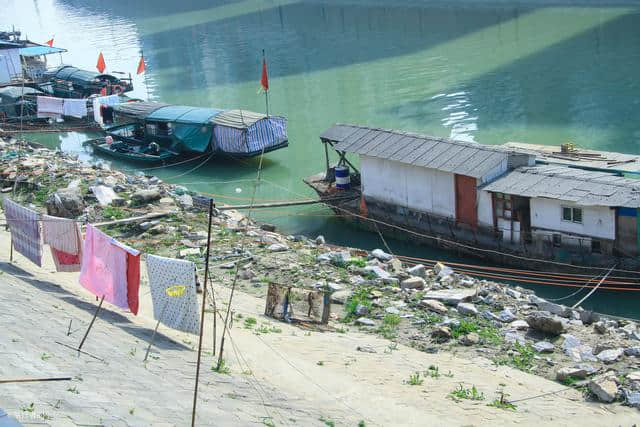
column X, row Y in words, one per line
column 50, row 42
column 141, row 66
column 264, row 81
column 101, row 65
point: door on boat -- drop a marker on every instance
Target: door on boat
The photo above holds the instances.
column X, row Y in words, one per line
column 466, row 196
column 627, row 233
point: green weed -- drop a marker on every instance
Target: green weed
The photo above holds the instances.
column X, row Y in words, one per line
column 463, row 328
column 415, row 379
column 45, row 356
column 250, row 322
column 73, row 390
column 29, row 408
column 327, row 422
column 466, row 393
column 222, row 368
column 523, row 360
column 113, row 212
column 359, row 297
column 502, row 403
column 490, row 335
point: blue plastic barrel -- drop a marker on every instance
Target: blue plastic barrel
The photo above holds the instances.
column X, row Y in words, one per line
column 343, row 180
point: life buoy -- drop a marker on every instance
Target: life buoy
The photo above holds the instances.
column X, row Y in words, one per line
column 103, row 91
column 117, row 89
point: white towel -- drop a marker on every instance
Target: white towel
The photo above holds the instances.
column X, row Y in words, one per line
column 103, row 100
column 50, row 107
column 179, row 312
column 75, row 108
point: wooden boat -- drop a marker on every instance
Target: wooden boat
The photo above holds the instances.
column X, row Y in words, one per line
column 196, row 130
column 129, row 152
column 71, row 82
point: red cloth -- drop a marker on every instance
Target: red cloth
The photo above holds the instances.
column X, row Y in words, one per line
column 65, row 261
column 133, row 281
column 50, row 42
column 264, row 81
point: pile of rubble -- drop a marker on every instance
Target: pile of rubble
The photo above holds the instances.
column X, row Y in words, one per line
column 431, row 308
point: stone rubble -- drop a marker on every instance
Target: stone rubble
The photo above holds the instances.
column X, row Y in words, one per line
column 432, row 307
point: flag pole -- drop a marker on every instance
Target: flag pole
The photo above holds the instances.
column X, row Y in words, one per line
column 146, row 84
column 266, row 91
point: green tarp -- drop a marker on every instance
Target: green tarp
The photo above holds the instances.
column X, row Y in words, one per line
column 193, row 137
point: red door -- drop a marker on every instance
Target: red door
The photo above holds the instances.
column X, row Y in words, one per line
column 466, row 210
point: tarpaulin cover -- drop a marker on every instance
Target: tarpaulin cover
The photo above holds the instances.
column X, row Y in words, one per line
column 40, row 50
column 193, row 137
column 264, row 133
column 183, row 114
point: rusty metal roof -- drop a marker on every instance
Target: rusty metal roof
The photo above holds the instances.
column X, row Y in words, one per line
column 460, row 157
column 583, row 187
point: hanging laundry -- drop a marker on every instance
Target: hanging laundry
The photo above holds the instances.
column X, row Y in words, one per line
column 49, row 107
column 65, row 240
column 75, row 108
column 105, row 269
column 179, row 312
column 25, row 230
column 103, row 100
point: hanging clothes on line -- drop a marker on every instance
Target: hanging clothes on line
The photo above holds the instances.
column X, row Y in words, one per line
column 65, row 241
column 75, row 108
column 25, row 230
column 50, row 107
column 179, row 312
column 106, row 101
column 105, row 269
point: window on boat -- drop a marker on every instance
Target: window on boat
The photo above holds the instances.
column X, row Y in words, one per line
column 595, row 247
column 572, row 214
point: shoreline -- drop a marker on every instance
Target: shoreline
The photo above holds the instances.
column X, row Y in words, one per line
column 439, row 313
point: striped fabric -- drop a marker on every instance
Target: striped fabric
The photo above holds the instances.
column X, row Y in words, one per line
column 25, row 230
column 264, row 133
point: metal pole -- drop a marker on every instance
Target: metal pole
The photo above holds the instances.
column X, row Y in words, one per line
column 91, row 324
column 155, row 330
column 204, row 302
column 266, row 91
column 146, row 83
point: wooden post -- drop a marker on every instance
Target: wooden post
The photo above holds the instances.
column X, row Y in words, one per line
column 91, row 324
column 204, row 302
column 11, row 250
column 326, row 154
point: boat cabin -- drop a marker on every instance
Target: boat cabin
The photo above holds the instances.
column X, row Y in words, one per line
column 197, row 129
column 71, row 82
column 24, row 61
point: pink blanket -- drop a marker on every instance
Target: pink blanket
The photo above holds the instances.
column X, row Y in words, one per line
column 104, row 268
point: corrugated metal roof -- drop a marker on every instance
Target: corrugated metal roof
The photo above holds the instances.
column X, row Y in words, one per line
column 587, row 188
column 461, row 157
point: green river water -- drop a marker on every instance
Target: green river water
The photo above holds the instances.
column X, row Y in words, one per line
column 488, row 71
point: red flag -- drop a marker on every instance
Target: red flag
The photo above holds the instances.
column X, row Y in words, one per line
column 264, row 81
column 141, row 66
column 50, row 42
column 101, row 65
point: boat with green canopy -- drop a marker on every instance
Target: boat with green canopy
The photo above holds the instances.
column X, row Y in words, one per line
column 187, row 129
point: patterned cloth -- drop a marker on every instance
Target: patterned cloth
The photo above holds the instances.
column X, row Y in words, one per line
column 49, row 107
column 105, row 269
column 25, row 230
column 65, row 240
column 180, row 312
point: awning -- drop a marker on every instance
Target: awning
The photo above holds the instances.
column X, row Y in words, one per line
column 40, row 50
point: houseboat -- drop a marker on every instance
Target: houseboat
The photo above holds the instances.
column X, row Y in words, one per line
column 511, row 204
column 185, row 130
column 66, row 81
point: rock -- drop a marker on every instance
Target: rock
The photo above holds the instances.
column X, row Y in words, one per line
column 519, row 325
column 600, row 327
column 632, row 351
column 366, row 349
column 602, row 346
column 544, row 322
column 246, row 274
column 506, row 316
column 339, row 258
column 413, row 283
column 467, row 309
column 633, row 398
column 418, row 271
column 377, row 271
column 451, row 296
column 610, row 356
column 66, row 203
column 268, row 227
column 341, row 297
column 589, row 317
column 364, row 321
column 362, row 310
column 628, row 330
column 144, row 226
column 544, row 347
column 442, row 271
column 392, row 310
column 470, row 339
column 278, row 247
column 490, row 316
column 189, row 251
column 143, row 197
column 441, row 333
column 158, row 229
column 580, row 372
column 393, row 281
column 433, row 305
column 104, row 194
column 320, row 240
column 513, row 293
column 635, row 336
column 513, row 337
column 118, row 201
column 396, row 266
column 633, row 376
column 605, row 388
column 381, row 255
